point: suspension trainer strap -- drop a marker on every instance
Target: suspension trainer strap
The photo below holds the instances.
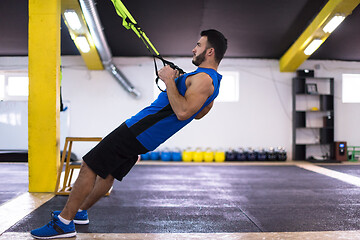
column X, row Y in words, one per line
column 130, row 23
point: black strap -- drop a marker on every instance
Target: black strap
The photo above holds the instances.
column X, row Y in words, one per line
column 165, row 62
column 157, row 75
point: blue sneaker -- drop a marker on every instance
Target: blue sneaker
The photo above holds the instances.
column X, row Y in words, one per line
column 80, row 218
column 55, row 229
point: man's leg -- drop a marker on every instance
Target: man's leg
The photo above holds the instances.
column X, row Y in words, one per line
column 84, row 184
column 58, row 227
column 102, row 186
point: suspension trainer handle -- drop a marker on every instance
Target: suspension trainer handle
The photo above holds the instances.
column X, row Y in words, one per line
column 171, row 64
column 165, row 62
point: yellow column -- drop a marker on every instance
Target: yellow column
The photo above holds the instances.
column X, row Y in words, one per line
column 44, row 90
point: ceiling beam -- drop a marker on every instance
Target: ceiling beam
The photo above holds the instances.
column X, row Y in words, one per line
column 295, row 55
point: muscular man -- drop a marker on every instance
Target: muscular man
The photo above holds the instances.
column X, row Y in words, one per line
column 187, row 97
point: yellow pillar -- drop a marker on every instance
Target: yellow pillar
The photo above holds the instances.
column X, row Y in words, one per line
column 44, row 90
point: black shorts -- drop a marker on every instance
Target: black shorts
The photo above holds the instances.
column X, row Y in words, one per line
column 116, row 154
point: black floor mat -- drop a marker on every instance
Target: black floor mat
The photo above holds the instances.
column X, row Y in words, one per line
column 203, row 199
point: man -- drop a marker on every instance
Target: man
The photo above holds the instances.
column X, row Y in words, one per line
column 187, row 97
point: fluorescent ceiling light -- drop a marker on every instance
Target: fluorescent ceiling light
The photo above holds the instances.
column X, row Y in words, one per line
column 72, row 19
column 82, row 43
column 315, row 44
column 333, row 23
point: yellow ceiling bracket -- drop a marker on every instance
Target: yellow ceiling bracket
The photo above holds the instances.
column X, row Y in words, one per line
column 295, row 55
column 80, row 34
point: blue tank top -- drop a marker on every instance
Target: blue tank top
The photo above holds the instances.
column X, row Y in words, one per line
column 156, row 123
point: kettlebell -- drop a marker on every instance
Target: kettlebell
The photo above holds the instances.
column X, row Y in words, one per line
column 241, row 154
column 219, row 156
column 187, row 155
column 282, row 156
column 165, row 155
column 198, row 155
column 230, row 155
column 155, row 155
column 262, row 155
column 176, row 155
column 208, row 155
column 145, row 156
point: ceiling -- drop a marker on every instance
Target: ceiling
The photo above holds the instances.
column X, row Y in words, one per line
column 254, row 28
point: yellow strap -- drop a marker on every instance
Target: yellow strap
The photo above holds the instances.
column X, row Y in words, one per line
column 125, row 14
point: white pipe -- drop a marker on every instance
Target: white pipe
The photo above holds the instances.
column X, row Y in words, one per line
column 93, row 21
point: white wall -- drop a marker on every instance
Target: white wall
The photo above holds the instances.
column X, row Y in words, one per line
column 14, row 114
column 14, row 125
column 262, row 117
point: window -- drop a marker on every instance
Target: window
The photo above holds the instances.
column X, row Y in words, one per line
column 14, row 87
column 229, row 88
column 350, row 88
column 18, row 86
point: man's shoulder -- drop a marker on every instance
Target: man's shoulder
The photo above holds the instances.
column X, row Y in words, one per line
column 200, row 75
column 200, row 81
column 198, row 78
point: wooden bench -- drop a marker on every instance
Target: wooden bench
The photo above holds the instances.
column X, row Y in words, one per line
column 70, row 166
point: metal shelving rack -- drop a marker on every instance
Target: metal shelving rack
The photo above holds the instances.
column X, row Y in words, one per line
column 313, row 119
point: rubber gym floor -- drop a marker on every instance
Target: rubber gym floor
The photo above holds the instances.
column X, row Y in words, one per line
column 287, row 200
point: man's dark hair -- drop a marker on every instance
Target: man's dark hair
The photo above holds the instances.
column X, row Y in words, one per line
column 217, row 41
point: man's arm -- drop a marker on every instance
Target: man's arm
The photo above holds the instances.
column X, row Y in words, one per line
column 204, row 111
column 197, row 93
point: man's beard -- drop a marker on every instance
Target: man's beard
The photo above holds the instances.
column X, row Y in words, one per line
column 199, row 59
